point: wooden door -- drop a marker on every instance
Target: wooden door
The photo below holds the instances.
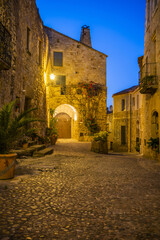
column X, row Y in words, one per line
column 64, row 125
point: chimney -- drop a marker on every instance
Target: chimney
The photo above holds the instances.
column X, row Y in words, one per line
column 85, row 35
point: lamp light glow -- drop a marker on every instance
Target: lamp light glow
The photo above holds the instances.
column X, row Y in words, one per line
column 52, row 76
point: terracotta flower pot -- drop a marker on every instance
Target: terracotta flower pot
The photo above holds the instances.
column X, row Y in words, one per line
column 99, row 147
column 7, row 165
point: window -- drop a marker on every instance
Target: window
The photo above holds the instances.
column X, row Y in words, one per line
column 40, row 53
column 123, row 104
column 133, row 101
column 123, row 135
column 28, row 39
column 58, row 59
column 60, row 80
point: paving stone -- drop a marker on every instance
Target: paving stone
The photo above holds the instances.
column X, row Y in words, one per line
column 78, row 194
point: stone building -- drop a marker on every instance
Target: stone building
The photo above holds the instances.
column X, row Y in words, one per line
column 126, row 121
column 149, row 77
column 30, row 53
column 22, row 55
column 75, row 67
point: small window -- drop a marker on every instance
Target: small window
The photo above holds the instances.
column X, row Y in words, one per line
column 58, row 59
column 40, row 53
column 60, row 80
column 133, row 101
column 123, row 135
column 123, row 104
column 28, row 39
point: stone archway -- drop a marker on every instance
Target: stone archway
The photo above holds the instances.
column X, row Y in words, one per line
column 63, row 125
column 66, row 116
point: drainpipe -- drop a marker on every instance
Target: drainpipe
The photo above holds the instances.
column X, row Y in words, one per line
column 130, row 121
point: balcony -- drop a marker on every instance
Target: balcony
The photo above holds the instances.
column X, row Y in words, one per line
column 5, row 48
column 148, row 78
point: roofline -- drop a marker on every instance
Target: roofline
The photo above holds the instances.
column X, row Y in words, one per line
column 75, row 40
column 122, row 92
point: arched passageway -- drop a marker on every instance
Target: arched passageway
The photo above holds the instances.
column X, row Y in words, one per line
column 66, row 116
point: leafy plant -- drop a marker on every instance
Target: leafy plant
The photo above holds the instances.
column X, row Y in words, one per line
column 53, row 122
column 12, row 128
column 101, row 136
column 153, row 143
column 91, row 124
column 52, row 131
column 137, row 147
column 88, row 96
column 32, row 133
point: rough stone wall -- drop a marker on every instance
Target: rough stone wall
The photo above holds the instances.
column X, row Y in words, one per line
column 120, row 118
column 135, row 122
column 26, row 76
column 80, row 64
column 110, row 130
column 151, row 102
column 129, row 118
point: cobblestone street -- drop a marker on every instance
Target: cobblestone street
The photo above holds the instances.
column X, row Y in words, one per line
column 78, row 194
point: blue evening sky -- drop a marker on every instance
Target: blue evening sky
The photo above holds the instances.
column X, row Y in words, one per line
column 117, row 29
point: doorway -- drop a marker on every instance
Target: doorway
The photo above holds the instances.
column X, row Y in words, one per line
column 63, row 125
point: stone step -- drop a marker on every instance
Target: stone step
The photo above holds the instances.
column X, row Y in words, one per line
column 23, row 152
column 28, row 151
column 43, row 152
column 37, row 147
column 31, row 143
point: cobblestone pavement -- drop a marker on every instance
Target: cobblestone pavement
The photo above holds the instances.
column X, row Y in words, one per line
column 77, row 194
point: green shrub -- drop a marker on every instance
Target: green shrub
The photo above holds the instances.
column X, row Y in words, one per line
column 153, row 143
column 101, row 136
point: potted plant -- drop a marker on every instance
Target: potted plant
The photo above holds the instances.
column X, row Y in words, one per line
column 99, row 143
column 11, row 129
column 32, row 133
column 153, row 143
column 51, row 131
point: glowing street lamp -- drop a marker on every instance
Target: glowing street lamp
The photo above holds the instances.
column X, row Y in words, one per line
column 52, row 76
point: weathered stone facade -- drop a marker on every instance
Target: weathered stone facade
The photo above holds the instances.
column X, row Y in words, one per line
column 24, row 80
column 79, row 63
column 36, row 52
column 126, row 133
column 150, row 77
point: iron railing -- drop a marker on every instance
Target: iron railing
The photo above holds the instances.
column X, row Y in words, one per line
column 5, row 48
column 148, row 79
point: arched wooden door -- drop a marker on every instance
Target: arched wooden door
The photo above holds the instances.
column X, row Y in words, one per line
column 63, row 125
